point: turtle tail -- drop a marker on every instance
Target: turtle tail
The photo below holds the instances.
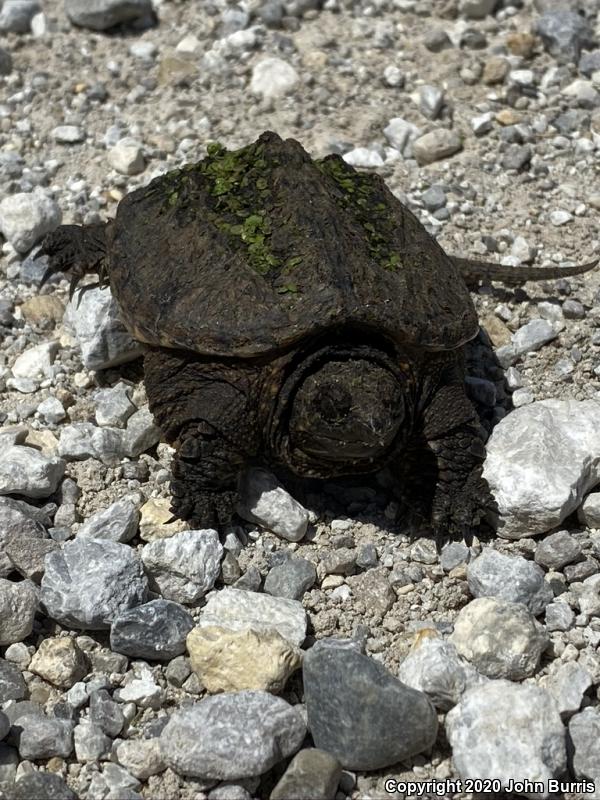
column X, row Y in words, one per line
column 77, row 250
column 473, row 271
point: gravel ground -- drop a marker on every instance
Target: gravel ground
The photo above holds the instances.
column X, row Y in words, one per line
column 499, row 641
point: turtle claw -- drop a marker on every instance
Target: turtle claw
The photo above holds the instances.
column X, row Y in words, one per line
column 75, row 250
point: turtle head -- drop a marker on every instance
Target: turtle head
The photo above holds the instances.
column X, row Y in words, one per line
column 347, row 412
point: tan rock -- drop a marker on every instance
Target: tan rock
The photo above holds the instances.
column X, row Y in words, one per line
column 495, row 70
column 176, row 71
column 153, row 520
column 141, row 757
column 60, row 662
column 496, row 330
column 315, row 59
column 508, row 116
column 229, row 661
column 521, row 44
column 43, row 308
column 44, row 441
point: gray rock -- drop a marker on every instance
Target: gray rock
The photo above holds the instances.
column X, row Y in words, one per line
column 533, row 335
column 589, row 511
column 113, row 783
column 573, row 309
column 436, row 40
column 509, row 731
column 500, row 639
column 435, row 668
column 291, row 579
column 27, row 554
column 233, row 735
column 100, row 15
column 430, row 100
column 68, row 134
column 185, row 566
column 141, row 688
column 12, row 684
column 16, row 15
column 156, row 630
column 26, row 471
column 178, row 671
column 584, row 731
column 15, row 522
column 113, row 405
column 93, row 317
column 559, row 616
column 434, row 198
column 393, row 77
column 272, row 78
column 26, row 217
column 476, row 9
column 127, row 157
column 587, row 594
column 89, row 582
column 52, row 410
column 229, row 790
column 106, row 713
column 556, row 550
column 340, row 561
column 516, row 156
column 18, row 604
column 367, row 556
column 44, row 785
column 311, row 773
column 359, row 712
column 39, row 736
column 91, row 743
column 374, row 588
column 567, row 684
column 512, row 578
column 145, row 51
column 436, row 145
column 82, row 440
column 363, row 157
column 36, row 362
column 482, row 123
column 118, row 522
column 141, row 433
column 589, row 63
column 238, row 609
column 401, row 135
column 564, row 34
column 560, row 217
column 581, row 570
column 265, row 501
column 541, row 462
column 453, row 554
column 522, row 397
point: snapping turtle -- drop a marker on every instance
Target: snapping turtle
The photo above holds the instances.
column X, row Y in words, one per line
column 294, row 313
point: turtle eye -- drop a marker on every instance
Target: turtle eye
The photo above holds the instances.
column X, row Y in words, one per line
column 333, row 403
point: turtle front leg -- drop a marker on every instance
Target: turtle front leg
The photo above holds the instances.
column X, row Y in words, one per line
column 207, row 411
column 205, row 471
column 461, row 498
